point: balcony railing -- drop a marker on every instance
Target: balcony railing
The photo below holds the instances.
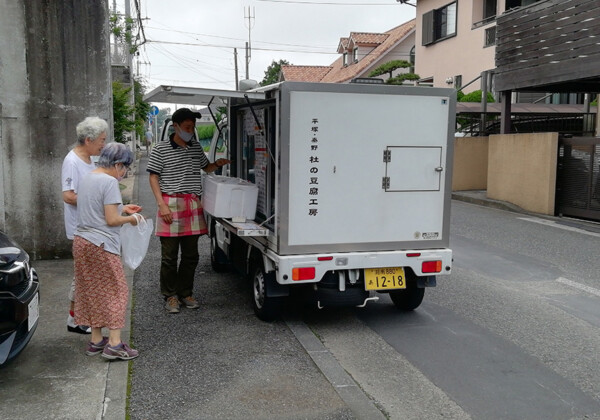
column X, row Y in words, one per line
column 550, row 46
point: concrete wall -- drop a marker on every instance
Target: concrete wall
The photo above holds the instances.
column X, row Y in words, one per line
column 522, row 170
column 54, row 71
column 470, row 171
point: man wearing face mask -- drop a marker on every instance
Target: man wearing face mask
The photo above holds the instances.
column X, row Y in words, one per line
column 175, row 168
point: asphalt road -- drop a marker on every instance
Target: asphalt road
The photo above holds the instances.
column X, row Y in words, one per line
column 511, row 334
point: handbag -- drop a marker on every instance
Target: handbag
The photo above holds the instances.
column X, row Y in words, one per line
column 135, row 240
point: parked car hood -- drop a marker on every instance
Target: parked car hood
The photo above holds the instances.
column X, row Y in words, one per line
column 9, row 251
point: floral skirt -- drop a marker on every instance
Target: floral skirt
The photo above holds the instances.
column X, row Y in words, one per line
column 101, row 292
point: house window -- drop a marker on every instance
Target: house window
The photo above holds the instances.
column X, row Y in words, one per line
column 345, row 59
column 511, row 4
column 489, row 9
column 490, row 36
column 458, row 82
column 439, row 24
column 355, row 54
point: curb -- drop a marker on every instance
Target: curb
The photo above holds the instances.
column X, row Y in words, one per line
column 114, row 406
column 348, row 390
column 478, row 197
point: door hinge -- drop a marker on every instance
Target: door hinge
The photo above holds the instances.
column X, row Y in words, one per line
column 387, row 155
column 385, row 183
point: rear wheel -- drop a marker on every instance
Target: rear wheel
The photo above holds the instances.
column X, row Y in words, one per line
column 265, row 307
column 410, row 298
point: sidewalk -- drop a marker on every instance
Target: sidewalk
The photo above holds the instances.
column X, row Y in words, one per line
column 53, row 378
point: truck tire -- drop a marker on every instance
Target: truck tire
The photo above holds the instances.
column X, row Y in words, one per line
column 218, row 259
column 408, row 299
column 266, row 308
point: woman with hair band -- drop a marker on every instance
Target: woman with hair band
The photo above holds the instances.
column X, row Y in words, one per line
column 100, row 283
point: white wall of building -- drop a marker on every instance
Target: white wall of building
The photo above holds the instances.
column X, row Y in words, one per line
column 463, row 54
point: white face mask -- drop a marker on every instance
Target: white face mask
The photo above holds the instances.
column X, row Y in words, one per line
column 184, row 135
column 119, row 178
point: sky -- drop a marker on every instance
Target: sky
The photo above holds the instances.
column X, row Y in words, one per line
column 191, row 42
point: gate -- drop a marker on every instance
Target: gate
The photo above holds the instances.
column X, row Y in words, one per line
column 578, row 177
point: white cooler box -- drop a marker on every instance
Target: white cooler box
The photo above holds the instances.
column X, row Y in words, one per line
column 229, row 197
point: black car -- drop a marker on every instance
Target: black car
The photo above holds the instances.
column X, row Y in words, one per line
column 19, row 299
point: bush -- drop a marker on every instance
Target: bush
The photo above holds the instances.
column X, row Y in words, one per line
column 474, row 96
column 205, row 131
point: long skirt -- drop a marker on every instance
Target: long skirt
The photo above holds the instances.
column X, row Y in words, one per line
column 101, row 292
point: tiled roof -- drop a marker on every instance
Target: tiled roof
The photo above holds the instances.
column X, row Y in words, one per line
column 340, row 73
column 337, row 72
column 365, row 38
column 304, row 73
column 342, row 45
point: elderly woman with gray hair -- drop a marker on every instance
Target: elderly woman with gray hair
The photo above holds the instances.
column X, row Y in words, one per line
column 91, row 135
column 100, row 284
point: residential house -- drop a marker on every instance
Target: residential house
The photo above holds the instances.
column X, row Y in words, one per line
column 359, row 54
column 455, row 40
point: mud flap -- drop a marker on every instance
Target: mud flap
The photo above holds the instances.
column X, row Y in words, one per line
column 274, row 289
column 427, row 281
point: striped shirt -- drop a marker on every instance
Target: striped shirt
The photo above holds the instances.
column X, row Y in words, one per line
column 178, row 168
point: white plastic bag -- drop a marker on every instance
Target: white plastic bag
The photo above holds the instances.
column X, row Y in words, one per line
column 135, row 240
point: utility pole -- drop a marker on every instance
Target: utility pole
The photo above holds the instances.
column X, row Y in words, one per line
column 247, row 61
column 131, row 78
column 236, row 67
column 250, row 17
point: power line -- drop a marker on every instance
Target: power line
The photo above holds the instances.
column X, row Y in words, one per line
column 273, row 49
column 189, row 66
column 221, row 46
column 238, row 39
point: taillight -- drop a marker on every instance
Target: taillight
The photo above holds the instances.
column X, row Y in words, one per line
column 328, row 258
column 303, row 273
column 431, row 266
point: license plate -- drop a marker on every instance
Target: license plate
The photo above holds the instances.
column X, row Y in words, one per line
column 385, row 278
column 34, row 311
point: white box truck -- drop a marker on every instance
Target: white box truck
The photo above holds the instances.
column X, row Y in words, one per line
column 354, row 190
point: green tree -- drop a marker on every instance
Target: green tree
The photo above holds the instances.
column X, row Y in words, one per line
column 163, row 113
column 122, row 111
column 272, row 72
column 390, row 67
column 122, row 29
column 141, row 108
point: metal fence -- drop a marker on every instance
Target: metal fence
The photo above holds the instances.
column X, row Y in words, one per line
column 578, row 177
column 583, row 124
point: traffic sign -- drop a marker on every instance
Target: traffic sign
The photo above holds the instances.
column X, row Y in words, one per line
column 154, row 110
